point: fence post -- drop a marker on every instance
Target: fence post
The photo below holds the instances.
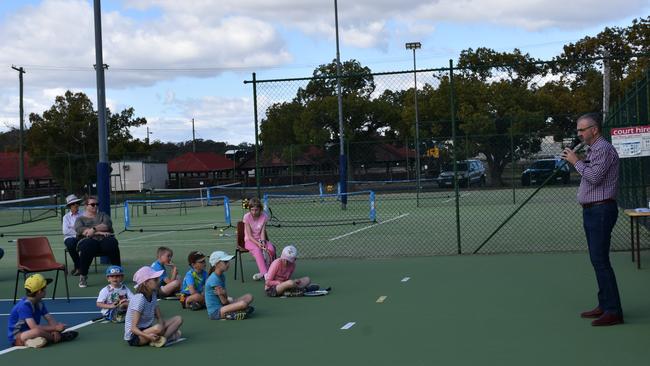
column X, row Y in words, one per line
column 257, row 147
column 512, row 164
column 453, row 139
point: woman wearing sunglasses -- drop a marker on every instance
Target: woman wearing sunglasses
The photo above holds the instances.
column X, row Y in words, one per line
column 95, row 232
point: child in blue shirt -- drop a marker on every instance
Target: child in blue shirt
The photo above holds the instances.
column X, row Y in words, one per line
column 169, row 284
column 219, row 305
column 24, row 327
column 192, row 296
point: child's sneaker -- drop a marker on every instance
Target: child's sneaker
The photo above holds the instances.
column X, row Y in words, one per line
column 83, row 281
column 249, row 310
column 68, row 336
column 159, row 343
column 182, row 298
column 312, row 287
column 174, row 337
column 295, row 292
column 37, row 342
column 194, row 306
column 118, row 318
column 237, row 315
column 257, row 276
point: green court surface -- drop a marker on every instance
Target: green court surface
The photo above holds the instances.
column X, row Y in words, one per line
column 463, row 310
column 510, row 308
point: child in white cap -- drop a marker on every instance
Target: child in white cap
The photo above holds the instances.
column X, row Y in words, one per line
column 278, row 278
column 219, row 305
column 143, row 311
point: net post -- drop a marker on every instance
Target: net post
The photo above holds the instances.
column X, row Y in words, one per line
column 208, row 196
column 265, row 201
column 127, row 217
column 373, row 212
column 226, row 207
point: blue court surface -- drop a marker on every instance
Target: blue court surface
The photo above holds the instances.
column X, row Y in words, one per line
column 78, row 311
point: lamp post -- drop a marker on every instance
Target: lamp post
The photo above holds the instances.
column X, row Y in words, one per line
column 414, row 46
column 343, row 163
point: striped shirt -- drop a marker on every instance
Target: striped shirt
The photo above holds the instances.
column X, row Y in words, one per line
column 147, row 310
column 599, row 173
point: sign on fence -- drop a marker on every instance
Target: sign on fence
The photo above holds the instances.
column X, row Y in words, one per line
column 631, row 142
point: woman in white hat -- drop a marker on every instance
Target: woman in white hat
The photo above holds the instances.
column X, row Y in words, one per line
column 69, row 234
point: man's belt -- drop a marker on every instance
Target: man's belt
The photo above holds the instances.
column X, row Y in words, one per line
column 592, row 204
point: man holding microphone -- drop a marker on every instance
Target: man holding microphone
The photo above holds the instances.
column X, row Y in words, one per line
column 597, row 195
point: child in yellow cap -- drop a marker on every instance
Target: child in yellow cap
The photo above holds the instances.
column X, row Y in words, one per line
column 24, row 327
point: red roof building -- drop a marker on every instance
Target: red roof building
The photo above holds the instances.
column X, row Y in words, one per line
column 192, row 168
column 9, row 168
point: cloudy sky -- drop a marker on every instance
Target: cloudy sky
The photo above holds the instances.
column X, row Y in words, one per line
column 177, row 60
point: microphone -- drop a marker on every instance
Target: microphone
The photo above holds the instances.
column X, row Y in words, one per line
column 576, row 145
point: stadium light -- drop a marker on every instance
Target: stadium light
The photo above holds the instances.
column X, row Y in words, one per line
column 414, row 46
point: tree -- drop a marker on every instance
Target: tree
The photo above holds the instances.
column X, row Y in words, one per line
column 65, row 137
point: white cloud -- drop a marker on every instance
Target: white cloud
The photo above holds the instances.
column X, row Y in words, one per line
column 216, row 118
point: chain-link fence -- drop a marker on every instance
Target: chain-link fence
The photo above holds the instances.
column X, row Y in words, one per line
column 489, row 135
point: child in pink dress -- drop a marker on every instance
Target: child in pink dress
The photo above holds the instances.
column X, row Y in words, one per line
column 255, row 237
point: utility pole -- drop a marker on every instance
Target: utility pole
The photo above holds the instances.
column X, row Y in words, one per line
column 193, row 137
column 148, row 133
column 21, row 158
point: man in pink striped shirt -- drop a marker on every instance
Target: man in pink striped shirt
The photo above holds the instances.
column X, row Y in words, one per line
column 597, row 195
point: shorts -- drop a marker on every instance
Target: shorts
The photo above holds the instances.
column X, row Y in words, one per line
column 271, row 291
column 135, row 339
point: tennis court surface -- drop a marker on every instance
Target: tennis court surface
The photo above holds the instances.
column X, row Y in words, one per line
column 448, row 310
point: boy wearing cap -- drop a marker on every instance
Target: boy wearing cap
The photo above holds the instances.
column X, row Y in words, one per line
column 69, row 233
column 24, row 327
column 114, row 298
column 219, row 305
column 193, row 284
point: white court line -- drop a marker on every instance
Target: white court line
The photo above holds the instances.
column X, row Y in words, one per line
column 405, row 279
column 369, row 227
column 65, row 313
column 461, row 196
column 348, row 325
column 59, row 298
column 381, row 299
column 71, row 328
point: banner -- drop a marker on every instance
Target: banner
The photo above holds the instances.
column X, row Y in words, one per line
column 631, row 142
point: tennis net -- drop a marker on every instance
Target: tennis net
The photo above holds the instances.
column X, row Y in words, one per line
column 25, row 210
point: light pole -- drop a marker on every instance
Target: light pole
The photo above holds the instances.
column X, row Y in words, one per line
column 148, row 133
column 343, row 168
column 414, row 46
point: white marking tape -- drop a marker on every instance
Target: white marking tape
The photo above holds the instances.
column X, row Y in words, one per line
column 381, row 299
column 22, row 347
column 348, row 325
column 369, row 227
column 406, row 279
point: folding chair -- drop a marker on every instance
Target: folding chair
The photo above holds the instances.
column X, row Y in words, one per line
column 239, row 249
column 35, row 255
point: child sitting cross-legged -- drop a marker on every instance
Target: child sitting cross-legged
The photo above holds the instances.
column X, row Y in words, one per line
column 169, row 283
column 192, row 296
column 114, row 298
column 24, row 328
column 144, row 323
column 219, row 305
column 278, row 278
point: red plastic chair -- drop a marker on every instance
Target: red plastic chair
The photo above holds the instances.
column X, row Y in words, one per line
column 35, row 255
column 239, row 249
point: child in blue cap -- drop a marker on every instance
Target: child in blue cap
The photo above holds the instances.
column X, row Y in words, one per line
column 114, row 298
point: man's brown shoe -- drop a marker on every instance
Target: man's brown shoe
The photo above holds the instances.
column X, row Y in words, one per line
column 595, row 313
column 608, row 319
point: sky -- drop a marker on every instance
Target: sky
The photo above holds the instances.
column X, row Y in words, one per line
column 174, row 61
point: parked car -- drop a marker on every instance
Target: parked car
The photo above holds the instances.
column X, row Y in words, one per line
column 469, row 172
column 543, row 168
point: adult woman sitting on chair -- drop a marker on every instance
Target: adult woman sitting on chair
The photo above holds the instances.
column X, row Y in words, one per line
column 69, row 234
column 95, row 231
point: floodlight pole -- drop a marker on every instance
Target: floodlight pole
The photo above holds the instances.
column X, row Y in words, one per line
column 148, row 133
column 103, row 166
column 193, row 137
column 343, row 162
column 21, row 157
column 414, row 46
